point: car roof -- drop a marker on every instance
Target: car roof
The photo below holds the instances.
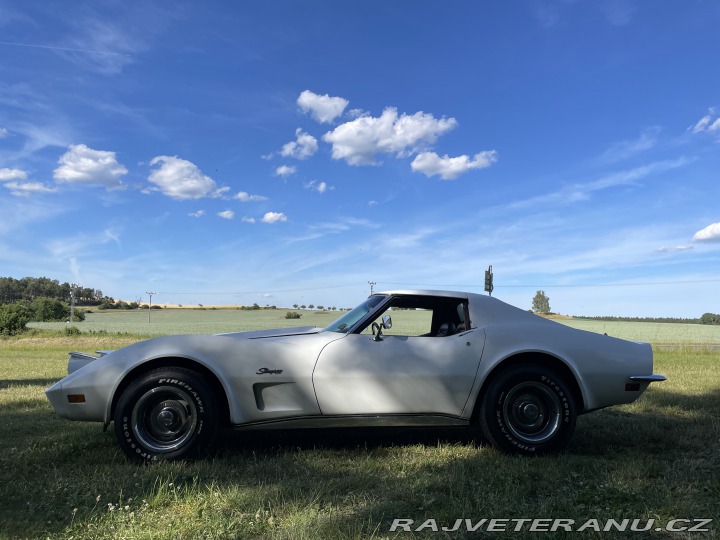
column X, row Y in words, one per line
column 423, row 292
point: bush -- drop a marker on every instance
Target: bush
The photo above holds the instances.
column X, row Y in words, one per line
column 13, row 318
column 72, row 331
column 293, row 315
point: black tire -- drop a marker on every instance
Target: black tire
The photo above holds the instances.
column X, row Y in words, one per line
column 166, row 414
column 527, row 410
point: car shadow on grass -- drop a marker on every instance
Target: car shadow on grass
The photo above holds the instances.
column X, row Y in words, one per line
column 9, row 383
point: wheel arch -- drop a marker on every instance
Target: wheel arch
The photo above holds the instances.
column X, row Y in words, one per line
column 541, row 359
column 176, row 361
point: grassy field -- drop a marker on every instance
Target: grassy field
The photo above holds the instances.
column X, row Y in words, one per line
column 658, row 458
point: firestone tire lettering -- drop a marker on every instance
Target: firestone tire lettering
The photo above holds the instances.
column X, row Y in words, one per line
column 193, row 405
column 527, row 410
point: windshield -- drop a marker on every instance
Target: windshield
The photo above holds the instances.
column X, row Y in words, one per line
column 350, row 319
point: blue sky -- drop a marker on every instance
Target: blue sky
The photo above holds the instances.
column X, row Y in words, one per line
column 290, row 152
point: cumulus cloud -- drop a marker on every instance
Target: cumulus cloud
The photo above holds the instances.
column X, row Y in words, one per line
column 227, row 214
column 28, row 188
column 82, row 165
column 711, row 233
column 314, row 185
column 247, row 219
column 3, row 133
column 285, row 170
column 246, row 197
column 360, row 140
column 324, row 108
column 449, row 168
column 273, row 217
column 12, row 174
column 304, row 146
column 199, row 213
column 708, row 123
column 181, row 179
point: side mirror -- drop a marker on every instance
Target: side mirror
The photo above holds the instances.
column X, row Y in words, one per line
column 387, row 322
column 376, row 331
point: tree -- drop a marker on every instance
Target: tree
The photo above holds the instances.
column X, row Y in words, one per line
column 295, row 306
column 710, row 318
column 541, row 303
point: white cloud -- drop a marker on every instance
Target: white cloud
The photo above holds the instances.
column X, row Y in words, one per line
column 304, row 146
column 320, row 187
column 12, row 174
column 671, row 249
column 708, row 123
column 181, row 179
column 28, row 188
column 247, row 219
column 430, row 164
column 285, row 170
column 3, row 133
column 273, row 217
column 581, row 192
column 83, row 165
column 227, row 214
column 711, row 233
column 359, row 140
column 199, row 213
column 246, row 197
column 625, row 149
column 324, row 108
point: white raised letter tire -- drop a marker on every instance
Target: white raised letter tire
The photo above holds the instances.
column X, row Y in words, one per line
column 166, row 414
column 529, row 410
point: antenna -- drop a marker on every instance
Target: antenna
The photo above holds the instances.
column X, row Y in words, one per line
column 372, row 286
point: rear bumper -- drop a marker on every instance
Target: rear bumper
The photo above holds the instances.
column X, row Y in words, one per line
column 648, row 378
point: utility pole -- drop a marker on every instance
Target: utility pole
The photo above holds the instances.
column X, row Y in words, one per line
column 150, row 306
column 372, row 286
column 72, row 302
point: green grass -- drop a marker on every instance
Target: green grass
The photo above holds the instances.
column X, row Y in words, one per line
column 657, row 458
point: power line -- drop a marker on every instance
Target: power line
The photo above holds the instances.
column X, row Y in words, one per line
column 547, row 286
column 265, row 290
column 449, row 286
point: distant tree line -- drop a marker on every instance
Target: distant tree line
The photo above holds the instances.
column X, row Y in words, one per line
column 707, row 318
column 42, row 299
column 29, row 288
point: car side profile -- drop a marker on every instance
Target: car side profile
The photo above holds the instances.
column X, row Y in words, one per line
column 400, row 358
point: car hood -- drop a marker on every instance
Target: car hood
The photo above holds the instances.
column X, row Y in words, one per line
column 275, row 332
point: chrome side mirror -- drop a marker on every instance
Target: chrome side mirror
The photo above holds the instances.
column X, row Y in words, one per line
column 387, row 322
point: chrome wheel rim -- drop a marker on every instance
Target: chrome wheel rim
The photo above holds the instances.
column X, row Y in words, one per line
column 532, row 412
column 164, row 418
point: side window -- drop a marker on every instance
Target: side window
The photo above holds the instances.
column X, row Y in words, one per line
column 405, row 322
column 418, row 316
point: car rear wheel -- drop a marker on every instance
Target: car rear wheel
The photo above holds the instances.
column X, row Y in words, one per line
column 527, row 410
column 166, row 414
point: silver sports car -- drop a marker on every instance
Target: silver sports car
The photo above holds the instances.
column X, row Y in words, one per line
column 449, row 358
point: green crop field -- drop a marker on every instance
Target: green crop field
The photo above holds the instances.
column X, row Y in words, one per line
column 212, row 321
column 656, row 459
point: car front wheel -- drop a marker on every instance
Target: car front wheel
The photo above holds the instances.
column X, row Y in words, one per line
column 527, row 410
column 166, row 414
